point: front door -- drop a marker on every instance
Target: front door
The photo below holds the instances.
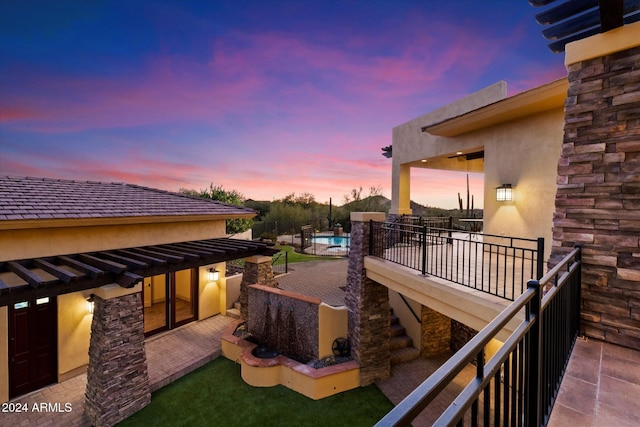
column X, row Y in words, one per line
column 33, row 351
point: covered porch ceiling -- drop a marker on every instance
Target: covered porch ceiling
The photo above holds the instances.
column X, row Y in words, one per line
column 465, row 160
column 52, row 276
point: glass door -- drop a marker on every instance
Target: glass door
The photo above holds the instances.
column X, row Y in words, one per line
column 155, row 301
column 184, row 289
column 169, row 300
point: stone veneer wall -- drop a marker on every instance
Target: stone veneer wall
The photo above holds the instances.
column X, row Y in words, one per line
column 598, row 198
column 436, row 333
column 369, row 311
column 285, row 321
column 257, row 271
column 117, row 377
column 461, row 334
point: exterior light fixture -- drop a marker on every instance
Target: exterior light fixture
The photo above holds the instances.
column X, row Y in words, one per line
column 424, row 160
column 91, row 303
column 213, row 275
column 504, row 193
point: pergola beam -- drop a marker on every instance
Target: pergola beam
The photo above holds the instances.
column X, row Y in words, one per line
column 54, row 270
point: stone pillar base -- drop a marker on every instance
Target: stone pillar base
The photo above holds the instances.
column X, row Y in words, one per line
column 368, row 304
column 257, row 271
column 117, row 377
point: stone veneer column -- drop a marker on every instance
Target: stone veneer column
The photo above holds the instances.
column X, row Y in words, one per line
column 436, row 333
column 257, row 271
column 368, row 305
column 117, row 377
column 598, row 198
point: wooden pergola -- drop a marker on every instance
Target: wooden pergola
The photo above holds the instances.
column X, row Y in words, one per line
column 52, row 276
column 570, row 20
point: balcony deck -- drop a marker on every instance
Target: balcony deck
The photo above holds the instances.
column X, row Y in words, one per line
column 599, row 388
column 490, row 264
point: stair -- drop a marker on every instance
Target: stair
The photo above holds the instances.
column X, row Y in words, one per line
column 235, row 311
column 402, row 349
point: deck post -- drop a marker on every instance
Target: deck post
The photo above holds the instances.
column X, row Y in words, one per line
column 368, row 303
column 534, row 357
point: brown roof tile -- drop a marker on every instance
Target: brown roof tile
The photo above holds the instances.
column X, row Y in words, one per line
column 39, row 198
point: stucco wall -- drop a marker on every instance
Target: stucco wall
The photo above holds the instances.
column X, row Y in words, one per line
column 410, row 144
column 332, row 323
column 524, row 154
column 41, row 242
column 210, row 293
column 74, row 330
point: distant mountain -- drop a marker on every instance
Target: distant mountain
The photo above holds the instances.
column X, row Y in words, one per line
column 379, row 204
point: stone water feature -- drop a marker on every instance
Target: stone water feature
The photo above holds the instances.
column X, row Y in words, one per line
column 284, row 336
column 286, row 323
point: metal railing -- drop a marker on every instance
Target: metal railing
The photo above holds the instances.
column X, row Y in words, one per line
column 327, row 243
column 497, row 265
column 280, row 263
column 518, row 385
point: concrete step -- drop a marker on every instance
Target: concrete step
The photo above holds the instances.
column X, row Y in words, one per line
column 397, row 330
column 237, row 305
column 402, row 341
column 234, row 313
column 394, row 320
column 404, row 355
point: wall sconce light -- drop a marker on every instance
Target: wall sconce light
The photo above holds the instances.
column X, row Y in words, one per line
column 213, row 275
column 504, row 193
column 91, row 303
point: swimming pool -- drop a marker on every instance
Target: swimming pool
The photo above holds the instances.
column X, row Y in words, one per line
column 341, row 241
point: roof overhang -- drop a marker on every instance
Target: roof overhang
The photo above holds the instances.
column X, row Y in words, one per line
column 543, row 98
column 52, row 276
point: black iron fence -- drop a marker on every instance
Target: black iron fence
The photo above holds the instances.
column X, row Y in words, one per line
column 280, row 263
column 497, row 265
column 329, row 244
column 273, row 229
column 518, row 385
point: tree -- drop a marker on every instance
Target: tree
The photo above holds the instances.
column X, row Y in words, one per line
column 354, row 202
column 230, row 197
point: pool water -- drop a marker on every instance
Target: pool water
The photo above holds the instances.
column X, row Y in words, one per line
column 342, row 241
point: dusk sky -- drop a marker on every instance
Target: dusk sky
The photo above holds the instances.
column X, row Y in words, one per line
column 263, row 97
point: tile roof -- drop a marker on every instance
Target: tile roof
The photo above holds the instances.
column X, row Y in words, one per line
column 45, row 198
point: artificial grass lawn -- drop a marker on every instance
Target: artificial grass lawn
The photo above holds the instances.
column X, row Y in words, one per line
column 216, row 395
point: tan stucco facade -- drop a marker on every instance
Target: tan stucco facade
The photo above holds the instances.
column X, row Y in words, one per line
column 521, row 137
column 29, row 239
column 59, row 238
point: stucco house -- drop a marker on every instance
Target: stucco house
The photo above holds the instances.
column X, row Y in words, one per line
column 513, row 141
column 568, row 150
column 79, row 262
